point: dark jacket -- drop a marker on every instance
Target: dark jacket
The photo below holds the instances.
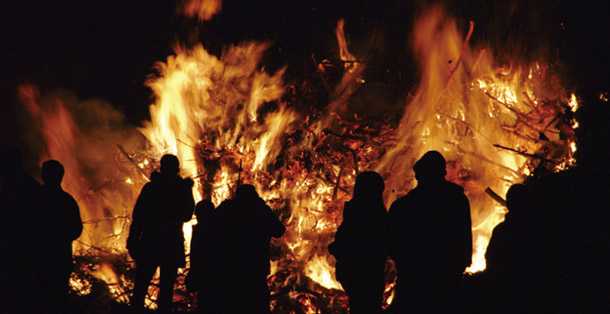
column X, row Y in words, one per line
column 205, row 257
column 61, row 222
column 164, row 205
column 248, row 226
column 431, row 229
column 360, row 246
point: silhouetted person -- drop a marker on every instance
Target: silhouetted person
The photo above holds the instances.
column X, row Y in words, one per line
column 60, row 225
column 18, row 193
column 431, row 240
column 513, row 273
column 247, row 226
column 360, row 246
column 155, row 237
column 206, row 265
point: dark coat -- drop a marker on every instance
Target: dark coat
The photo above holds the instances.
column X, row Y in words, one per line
column 431, row 230
column 360, row 246
column 360, row 250
column 205, row 259
column 61, row 222
column 155, row 235
column 248, row 226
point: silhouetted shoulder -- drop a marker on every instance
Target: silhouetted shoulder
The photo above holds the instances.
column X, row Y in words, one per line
column 155, row 176
column 224, row 205
column 454, row 188
column 70, row 200
column 400, row 202
column 187, row 182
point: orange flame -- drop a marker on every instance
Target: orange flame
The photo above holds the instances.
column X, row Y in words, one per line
column 204, row 10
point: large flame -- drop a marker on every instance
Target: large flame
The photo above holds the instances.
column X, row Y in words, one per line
column 467, row 109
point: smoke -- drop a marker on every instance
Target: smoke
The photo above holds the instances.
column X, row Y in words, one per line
column 84, row 136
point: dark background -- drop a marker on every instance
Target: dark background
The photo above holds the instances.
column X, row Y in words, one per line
column 107, row 49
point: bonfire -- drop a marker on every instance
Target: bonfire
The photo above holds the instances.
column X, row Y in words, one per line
column 230, row 122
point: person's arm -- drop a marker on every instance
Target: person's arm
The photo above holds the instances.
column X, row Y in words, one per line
column 195, row 249
column 467, row 230
column 393, row 236
column 337, row 247
column 74, row 223
column 276, row 227
column 189, row 202
column 495, row 249
column 137, row 217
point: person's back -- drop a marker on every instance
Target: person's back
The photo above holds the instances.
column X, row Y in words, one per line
column 205, row 259
column 431, row 239
column 155, row 236
column 60, row 224
column 59, row 209
column 513, row 256
column 166, row 205
column 248, row 226
column 360, row 246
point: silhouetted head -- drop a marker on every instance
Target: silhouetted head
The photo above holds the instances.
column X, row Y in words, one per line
column 246, row 192
column 369, row 185
column 52, row 173
column 203, row 208
column 516, row 198
column 430, row 167
column 170, row 166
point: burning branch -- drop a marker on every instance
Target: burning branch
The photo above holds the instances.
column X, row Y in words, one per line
column 133, row 161
column 464, row 46
column 525, row 154
column 495, row 196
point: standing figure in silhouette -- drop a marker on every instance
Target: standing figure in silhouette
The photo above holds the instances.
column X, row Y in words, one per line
column 511, row 256
column 360, row 246
column 155, row 236
column 247, row 226
column 18, row 193
column 60, row 225
column 431, row 240
column 203, row 276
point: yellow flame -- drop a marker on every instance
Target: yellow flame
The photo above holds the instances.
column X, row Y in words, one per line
column 573, row 103
column 320, row 271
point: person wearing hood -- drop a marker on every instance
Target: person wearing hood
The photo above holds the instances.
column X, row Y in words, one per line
column 360, row 246
column 431, row 240
column 155, row 237
column 247, row 225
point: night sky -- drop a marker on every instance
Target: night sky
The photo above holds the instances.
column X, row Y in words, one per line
column 107, row 49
